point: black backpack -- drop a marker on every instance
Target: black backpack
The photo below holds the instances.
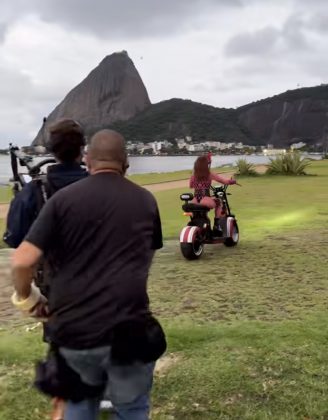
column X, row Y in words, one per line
column 23, row 210
column 28, row 202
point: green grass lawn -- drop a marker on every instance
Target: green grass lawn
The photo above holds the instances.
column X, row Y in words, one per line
column 153, row 178
column 264, row 204
column 5, row 197
column 5, row 194
column 247, row 325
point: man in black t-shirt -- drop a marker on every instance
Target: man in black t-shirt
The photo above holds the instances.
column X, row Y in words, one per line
column 102, row 232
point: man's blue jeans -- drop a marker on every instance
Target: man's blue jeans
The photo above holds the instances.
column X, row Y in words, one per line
column 128, row 387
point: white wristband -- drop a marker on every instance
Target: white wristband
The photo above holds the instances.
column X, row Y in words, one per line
column 28, row 303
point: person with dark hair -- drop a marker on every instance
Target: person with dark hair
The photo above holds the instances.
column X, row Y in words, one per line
column 66, row 143
column 201, row 181
column 66, row 138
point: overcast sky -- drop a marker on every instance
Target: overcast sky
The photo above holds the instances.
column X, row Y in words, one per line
column 224, row 53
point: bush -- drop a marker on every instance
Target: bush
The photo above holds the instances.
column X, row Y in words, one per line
column 288, row 164
column 245, row 169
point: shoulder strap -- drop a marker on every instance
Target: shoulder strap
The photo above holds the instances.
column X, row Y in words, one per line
column 42, row 192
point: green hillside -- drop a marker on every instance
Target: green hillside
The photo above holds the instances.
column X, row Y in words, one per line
column 252, row 124
column 313, row 92
column 178, row 118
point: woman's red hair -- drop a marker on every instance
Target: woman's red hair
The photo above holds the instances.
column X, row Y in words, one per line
column 201, row 169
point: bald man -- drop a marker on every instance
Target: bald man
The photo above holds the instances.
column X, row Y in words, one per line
column 102, row 233
column 107, row 152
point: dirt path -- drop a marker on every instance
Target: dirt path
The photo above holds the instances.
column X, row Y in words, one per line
column 7, row 311
column 162, row 186
column 171, row 185
column 3, row 210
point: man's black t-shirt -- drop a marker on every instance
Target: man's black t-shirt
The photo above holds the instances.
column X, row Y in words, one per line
column 102, row 233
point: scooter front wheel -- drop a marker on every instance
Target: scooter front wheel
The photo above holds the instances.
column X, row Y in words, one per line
column 232, row 232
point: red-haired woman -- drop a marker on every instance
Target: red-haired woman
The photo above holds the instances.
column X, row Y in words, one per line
column 201, row 181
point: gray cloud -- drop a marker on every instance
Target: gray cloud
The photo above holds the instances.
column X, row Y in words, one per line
column 315, row 3
column 3, row 29
column 253, row 43
column 13, row 84
column 314, row 14
column 318, row 22
column 124, row 18
column 13, row 10
column 9, row 13
column 18, row 87
column 221, row 85
column 291, row 37
column 220, row 52
column 23, row 104
column 293, row 32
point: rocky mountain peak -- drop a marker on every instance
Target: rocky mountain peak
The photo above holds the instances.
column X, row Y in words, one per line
column 112, row 92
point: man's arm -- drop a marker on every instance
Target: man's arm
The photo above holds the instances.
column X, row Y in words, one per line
column 24, row 260
column 27, row 297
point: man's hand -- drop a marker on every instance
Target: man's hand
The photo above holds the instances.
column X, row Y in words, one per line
column 27, row 297
column 34, row 305
column 40, row 311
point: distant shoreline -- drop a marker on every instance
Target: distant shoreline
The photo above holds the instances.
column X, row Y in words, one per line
column 157, row 163
column 195, row 154
column 217, row 154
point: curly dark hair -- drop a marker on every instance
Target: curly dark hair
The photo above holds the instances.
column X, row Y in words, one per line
column 66, row 138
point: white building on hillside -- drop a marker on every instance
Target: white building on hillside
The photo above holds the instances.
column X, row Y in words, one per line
column 181, row 143
column 195, row 147
column 213, row 144
column 272, row 152
column 156, row 146
column 298, row 145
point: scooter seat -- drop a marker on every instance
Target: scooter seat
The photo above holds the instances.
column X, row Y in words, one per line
column 193, row 207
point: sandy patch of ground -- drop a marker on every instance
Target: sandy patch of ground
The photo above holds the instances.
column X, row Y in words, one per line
column 3, row 210
column 7, row 311
column 165, row 363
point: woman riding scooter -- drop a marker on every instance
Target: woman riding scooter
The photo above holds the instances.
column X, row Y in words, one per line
column 201, row 181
